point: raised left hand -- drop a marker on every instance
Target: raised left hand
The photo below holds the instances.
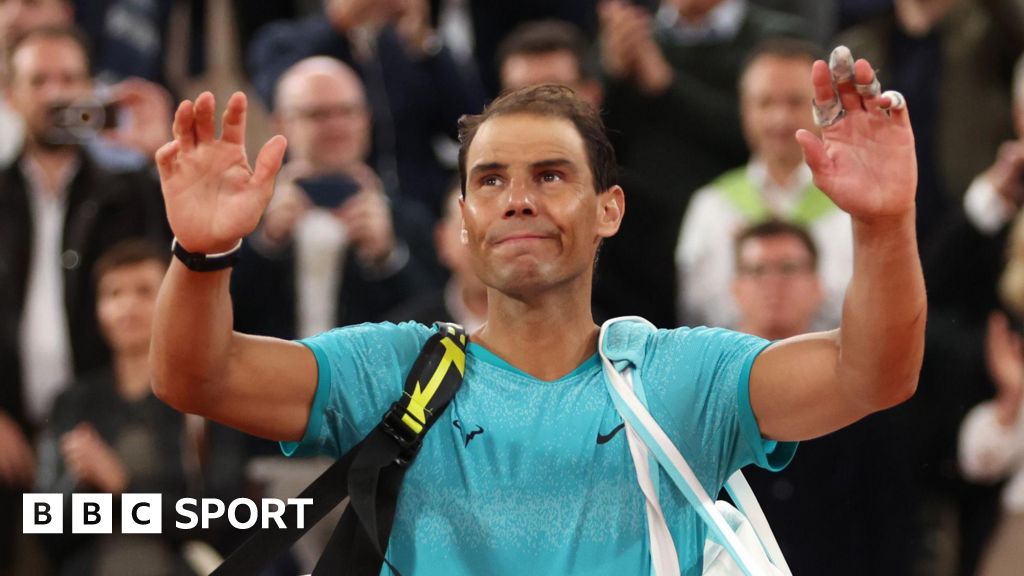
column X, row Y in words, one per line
column 865, row 161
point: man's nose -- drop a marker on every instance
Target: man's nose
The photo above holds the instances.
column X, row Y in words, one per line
column 520, row 200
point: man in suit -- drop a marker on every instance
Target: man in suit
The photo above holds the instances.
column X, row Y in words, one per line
column 316, row 263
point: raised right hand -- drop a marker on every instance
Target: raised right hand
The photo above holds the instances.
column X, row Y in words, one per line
column 213, row 197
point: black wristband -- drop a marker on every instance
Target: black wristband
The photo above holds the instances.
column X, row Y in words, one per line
column 199, row 262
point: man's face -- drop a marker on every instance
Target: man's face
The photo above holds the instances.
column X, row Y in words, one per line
column 45, row 71
column 532, row 217
column 776, row 289
column 326, row 120
column 559, row 67
column 775, row 101
column 125, row 299
column 19, row 16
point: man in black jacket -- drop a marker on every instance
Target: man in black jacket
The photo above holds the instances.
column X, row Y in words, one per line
column 59, row 211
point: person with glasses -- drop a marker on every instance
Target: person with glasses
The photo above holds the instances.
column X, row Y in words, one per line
column 775, row 92
column 777, row 288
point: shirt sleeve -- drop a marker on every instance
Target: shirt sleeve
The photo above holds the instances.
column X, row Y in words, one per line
column 700, row 378
column 360, row 372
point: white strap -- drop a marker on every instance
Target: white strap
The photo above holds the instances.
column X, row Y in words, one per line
column 639, row 421
column 744, row 498
column 664, row 558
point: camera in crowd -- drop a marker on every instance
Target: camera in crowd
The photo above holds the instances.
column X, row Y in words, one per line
column 79, row 120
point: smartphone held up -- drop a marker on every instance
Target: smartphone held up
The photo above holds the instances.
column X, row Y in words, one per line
column 328, row 190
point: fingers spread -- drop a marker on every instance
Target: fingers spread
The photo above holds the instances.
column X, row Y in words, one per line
column 204, row 128
column 233, row 130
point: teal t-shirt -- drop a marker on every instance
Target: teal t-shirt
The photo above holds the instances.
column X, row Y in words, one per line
column 524, row 476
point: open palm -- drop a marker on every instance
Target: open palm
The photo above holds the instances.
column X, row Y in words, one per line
column 866, row 161
column 213, row 197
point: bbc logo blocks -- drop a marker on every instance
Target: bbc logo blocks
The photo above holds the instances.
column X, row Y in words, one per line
column 91, row 513
column 142, row 513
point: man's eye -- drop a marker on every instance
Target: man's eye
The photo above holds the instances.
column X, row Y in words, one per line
column 551, row 177
column 490, row 181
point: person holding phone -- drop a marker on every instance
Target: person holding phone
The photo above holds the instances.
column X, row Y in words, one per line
column 334, row 247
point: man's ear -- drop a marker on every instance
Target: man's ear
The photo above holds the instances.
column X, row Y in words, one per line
column 611, row 207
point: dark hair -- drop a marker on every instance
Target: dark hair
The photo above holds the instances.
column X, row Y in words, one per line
column 128, row 253
column 544, row 37
column 71, row 33
column 785, row 48
column 772, row 228
column 553, row 101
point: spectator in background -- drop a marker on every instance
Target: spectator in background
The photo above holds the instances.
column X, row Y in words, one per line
column 314, row 265
column 463, row 299
column 962, row 265
column 59, row 211
column 109, row 434
column 671, row 96
column 415, row 90
column 143, row 107
column 845, row 480
column 492, row 22
column 548, row 52
column 954, row 60
column 17, row 17
column 992, row 435
column 775, row 95
column 777, row 287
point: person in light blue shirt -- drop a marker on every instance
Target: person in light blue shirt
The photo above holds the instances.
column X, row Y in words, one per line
column 528, row 471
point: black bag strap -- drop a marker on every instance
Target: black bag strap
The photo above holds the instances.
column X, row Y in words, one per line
column 370, row 474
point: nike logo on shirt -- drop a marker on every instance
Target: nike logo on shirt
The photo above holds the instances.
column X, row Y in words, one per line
column 604, row 438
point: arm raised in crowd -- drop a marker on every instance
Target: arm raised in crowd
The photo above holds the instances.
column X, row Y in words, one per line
column 200, row 365
column 811, row 385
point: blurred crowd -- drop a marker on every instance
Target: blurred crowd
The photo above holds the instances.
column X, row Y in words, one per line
column 725, row 227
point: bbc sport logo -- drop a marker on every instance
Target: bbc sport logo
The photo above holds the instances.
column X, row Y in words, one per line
column 143, row 513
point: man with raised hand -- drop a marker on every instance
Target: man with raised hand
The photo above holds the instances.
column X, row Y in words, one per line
column 532, row 491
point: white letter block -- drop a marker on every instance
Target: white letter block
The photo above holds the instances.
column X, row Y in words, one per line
column 141, row 514
column 42, row 514
column 92, row 513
